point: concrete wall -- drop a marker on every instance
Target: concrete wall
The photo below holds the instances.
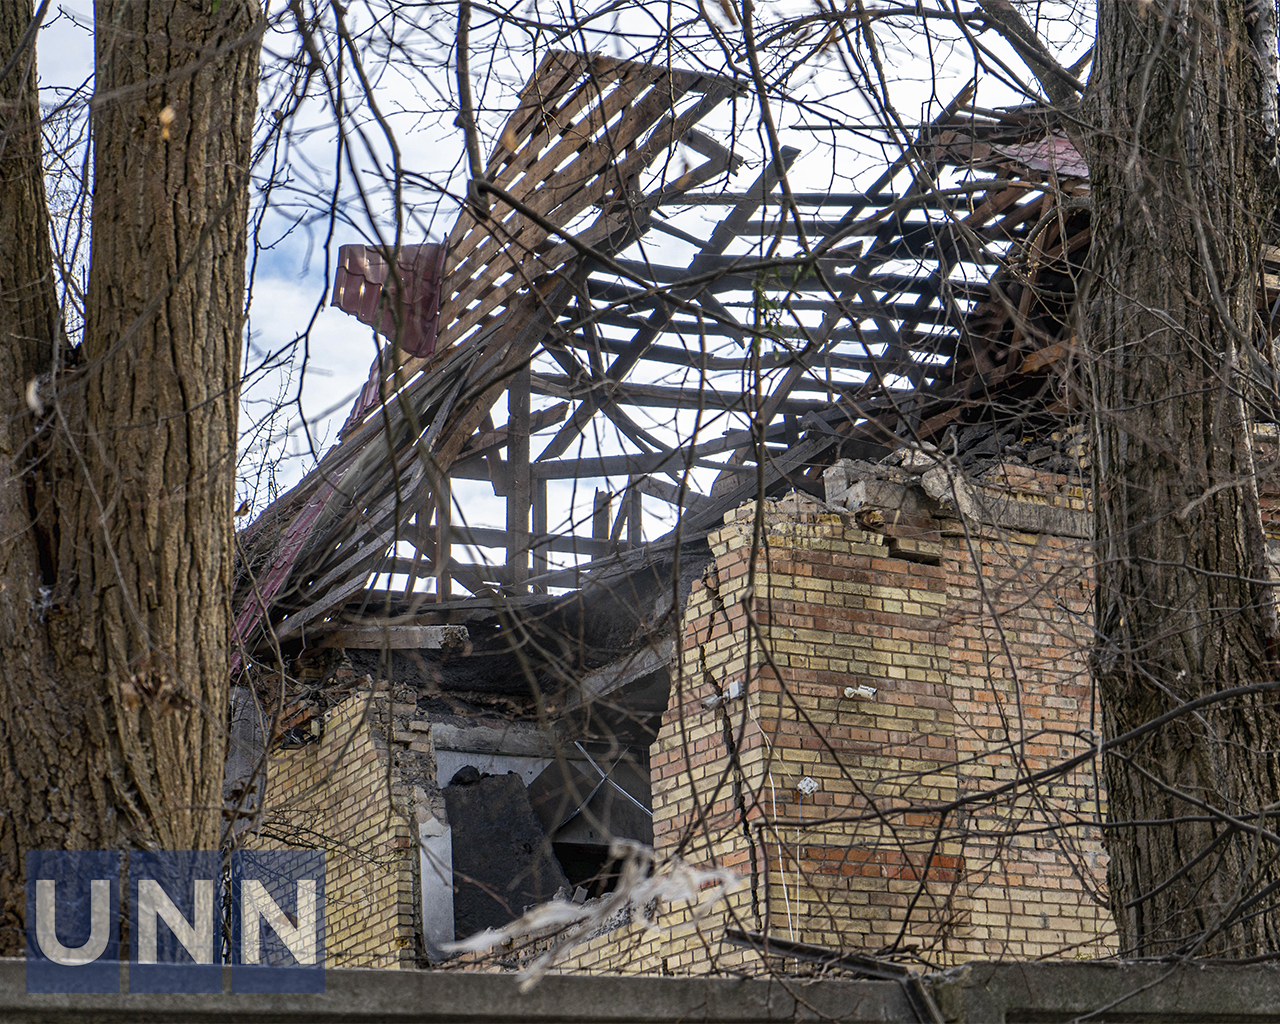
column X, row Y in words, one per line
column 982, row 993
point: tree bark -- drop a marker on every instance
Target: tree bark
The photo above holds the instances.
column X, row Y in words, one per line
column 1182, row 173
column 116, row 502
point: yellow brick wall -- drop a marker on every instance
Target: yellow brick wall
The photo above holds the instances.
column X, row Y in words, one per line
column 978, row 662
column 974, row 639
column 336, row 795
column 1023, row 702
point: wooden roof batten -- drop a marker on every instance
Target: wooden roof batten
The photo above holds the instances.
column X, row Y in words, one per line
column 554, row 299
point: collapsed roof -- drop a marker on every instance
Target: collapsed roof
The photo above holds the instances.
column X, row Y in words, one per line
column 674, row 350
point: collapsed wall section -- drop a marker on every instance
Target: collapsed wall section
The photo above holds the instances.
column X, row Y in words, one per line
column 436, row 826
column 865, row 693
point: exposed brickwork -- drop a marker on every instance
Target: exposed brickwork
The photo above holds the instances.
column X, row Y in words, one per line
column 339, row 796
column 1019, row 612
column 851, row 817
column 974, row 639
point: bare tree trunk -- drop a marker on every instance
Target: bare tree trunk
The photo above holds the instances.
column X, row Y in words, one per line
column 1182, row 171
column 33, row 705
column 116, row 504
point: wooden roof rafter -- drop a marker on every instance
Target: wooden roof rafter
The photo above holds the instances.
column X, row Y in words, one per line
column 586, row 349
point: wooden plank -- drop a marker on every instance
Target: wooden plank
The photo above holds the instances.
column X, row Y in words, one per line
column 788, row 282
column 469, row 574
column 862, row 308
column 670, row 462
column 677, row 82
column 700, row 142
column 546, row 111
column 598, row 466
column 665, row 133
column 569, row 196
column 600, row 398
column 496, row 437
column 519, row 496
column 690, row 455
column 594, row 80
column 535, row 266
column 444, row 541
column 1034, row 258
column 635, row 515
column 328, row 594
column 294, row 624
column 526, row 258
column 545, row 263
column 418, row 611
column 656, row 396
column 568, row 543
column 540, row 562
column 846, row 199
column 338, row 460
column 530, row 318
column 602, row 97
column 535, row 110
column 1046, row 358
column 996, row 204
column 624, row 509
column 538, row 168
column 397, row 638
column 721, row 238
column 707, row 359
column 704, row 361
column 600, row 515
column 561, row 195
column 692, row 178
column 425, row 513
column 670, row 493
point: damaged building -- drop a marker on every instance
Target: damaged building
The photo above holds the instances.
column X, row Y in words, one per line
column 827, row 626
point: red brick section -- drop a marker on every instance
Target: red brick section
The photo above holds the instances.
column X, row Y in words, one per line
column 848, row 860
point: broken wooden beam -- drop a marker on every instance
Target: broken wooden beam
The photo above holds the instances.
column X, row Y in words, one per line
column 399, row 638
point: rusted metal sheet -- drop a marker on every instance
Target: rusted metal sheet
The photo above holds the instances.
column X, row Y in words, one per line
column 403, row 306
column 1054, row 153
